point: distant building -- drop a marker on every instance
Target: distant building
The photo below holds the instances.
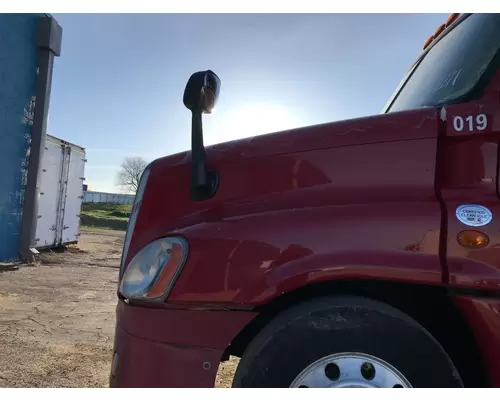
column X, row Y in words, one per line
column 102, row 197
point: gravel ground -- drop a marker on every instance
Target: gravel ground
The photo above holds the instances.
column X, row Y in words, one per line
column 57, row 318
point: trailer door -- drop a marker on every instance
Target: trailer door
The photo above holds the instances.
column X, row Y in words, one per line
column 74, row 195
column 50, row 177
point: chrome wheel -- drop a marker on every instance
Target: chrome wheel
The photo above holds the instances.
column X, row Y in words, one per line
column 350, row 370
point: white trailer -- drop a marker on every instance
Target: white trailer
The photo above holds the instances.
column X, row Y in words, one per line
column 61, row 193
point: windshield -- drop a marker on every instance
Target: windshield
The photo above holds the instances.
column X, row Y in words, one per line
column 453, row 66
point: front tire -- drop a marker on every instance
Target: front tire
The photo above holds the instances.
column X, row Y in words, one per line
column 344, row 342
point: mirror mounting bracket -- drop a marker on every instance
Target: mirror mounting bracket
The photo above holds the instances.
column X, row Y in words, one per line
column 204, row 183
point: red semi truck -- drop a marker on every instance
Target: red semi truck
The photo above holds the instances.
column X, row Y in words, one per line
column 359, row 253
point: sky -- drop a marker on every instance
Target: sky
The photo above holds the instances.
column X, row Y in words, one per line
column 118, row 85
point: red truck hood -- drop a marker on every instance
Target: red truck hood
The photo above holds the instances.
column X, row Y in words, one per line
column 253, row 169
column 379, row 128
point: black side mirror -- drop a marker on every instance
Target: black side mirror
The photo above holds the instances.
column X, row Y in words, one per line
column 200, row 96
column 202, row 91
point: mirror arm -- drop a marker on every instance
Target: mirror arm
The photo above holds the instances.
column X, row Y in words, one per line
column 199, row 177
column 204, row 183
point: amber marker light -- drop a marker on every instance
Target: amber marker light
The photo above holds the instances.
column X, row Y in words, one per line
column 473, row 239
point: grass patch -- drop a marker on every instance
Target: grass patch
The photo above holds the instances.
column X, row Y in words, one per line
column 105, row 215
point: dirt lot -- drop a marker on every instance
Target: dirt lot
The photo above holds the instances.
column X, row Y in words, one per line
column 57, row 318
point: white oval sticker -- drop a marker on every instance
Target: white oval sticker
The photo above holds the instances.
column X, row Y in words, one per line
column 474, row 215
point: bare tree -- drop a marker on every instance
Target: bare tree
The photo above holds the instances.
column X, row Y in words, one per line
column 130, row 173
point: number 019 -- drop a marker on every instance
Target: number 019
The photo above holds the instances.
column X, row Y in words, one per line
column 470, row 123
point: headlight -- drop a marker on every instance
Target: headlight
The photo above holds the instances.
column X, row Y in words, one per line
column 151, row 274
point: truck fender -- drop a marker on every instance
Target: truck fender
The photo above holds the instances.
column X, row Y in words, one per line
column 409, row 267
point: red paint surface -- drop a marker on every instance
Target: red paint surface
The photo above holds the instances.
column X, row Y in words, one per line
column 469, row 176
column 170, row 348
column 148, row 364
column 294, row 208
column 483, row 316
column 208, row 329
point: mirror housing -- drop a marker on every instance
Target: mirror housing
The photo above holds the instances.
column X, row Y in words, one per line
column 202, row 91
column 200, row 96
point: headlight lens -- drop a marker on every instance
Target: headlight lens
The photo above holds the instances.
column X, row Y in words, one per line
column 153, row 271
